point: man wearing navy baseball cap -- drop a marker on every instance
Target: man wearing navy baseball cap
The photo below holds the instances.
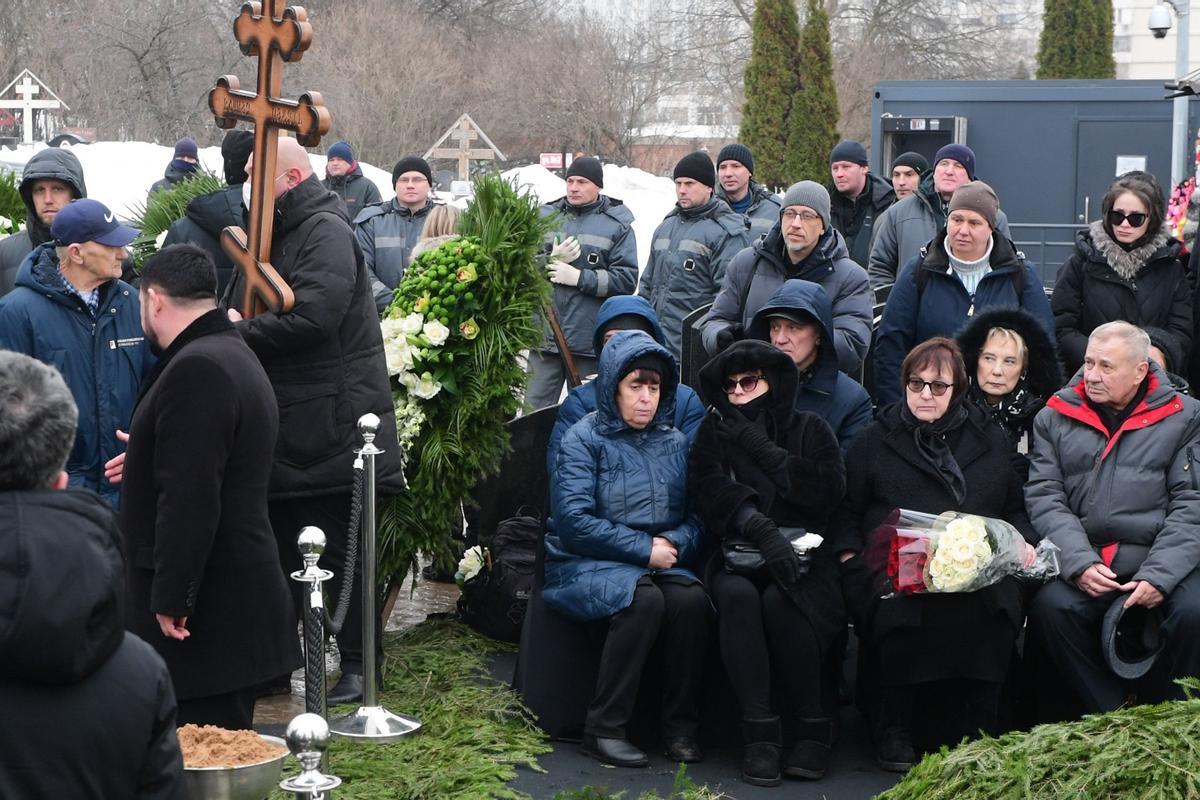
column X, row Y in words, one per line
column 70, row 309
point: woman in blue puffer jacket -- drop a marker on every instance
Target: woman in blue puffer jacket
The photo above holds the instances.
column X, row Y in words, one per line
column 623, row 546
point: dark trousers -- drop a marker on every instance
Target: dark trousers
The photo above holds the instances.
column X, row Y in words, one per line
column 330, row 513
column 760, row 626
column 662, row 609
column 232, row 711
column 1067, row 623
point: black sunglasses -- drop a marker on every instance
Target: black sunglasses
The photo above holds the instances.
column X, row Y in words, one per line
column 748, row 383
column 938, row 388
column 1136, row 219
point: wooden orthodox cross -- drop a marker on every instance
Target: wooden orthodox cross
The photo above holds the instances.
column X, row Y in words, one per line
column 275, row 35
column 465, row 131
column 26, row 86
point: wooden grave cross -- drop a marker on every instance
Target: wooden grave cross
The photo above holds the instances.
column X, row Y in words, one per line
column 274, row 36
column 465, row 131
column 26, row 86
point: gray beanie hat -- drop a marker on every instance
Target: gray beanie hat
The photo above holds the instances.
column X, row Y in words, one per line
column 811, row 194
column 976, row 196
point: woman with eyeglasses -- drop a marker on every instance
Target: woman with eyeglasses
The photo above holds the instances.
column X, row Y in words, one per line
column 763, row 474
column 1126, row 266
column 935, row 659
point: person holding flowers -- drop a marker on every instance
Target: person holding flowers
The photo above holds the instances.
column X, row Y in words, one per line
column 623, row 547
column 931, row 452
column 762, row 472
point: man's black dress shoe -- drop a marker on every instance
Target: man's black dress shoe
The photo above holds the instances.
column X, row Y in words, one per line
column 683, row 749
column 348, row 689
column 617, row 752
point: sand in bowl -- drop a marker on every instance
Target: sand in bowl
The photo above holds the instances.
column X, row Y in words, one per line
column 210, row 746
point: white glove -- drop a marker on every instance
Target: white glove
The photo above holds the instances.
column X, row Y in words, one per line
column 567, row 250
column 562, row 272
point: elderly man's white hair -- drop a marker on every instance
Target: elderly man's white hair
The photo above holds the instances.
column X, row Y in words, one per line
column 1137, row 341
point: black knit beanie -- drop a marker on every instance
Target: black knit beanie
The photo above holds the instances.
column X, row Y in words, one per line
column 853, row 152
column 697, row 166
column 914, row 161
column 587, row 167
column 737, row 152
column 412, row 164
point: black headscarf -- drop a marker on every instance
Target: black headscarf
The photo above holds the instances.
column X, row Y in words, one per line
column 930, row 440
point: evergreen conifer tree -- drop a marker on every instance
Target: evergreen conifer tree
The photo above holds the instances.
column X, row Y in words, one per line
column 771, row 83
column 1077, row 40
column 812, row 125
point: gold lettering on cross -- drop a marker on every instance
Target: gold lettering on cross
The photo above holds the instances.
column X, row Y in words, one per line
column 274, row 36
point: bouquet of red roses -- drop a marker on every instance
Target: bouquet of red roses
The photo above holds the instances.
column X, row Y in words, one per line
column 954, row 552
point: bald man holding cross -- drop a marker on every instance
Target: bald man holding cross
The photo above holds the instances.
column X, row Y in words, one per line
column 324, row 358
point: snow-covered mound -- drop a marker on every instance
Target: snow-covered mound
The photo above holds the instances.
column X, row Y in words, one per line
column 119, row 174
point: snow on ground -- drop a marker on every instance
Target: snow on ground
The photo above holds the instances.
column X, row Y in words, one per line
column 119, row 174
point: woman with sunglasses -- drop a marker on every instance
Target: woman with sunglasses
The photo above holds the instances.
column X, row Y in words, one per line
column 935, row 658
column 759, row 472
column 1126, row 266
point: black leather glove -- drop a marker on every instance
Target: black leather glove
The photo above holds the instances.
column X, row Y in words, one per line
column 777, row 551
column 736, row 429
column 725, row 337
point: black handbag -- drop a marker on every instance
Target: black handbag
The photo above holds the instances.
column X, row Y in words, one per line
column 742, row 557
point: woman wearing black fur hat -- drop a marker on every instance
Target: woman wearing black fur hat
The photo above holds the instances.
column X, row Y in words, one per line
column 1126, row 266
column 758, row 471
column 1013, row 367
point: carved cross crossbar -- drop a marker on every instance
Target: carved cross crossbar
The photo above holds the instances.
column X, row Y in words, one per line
column 274, row 36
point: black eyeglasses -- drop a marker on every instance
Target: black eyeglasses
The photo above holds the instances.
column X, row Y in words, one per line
column 938, row 388
column 1136, row 219
column 747, row 383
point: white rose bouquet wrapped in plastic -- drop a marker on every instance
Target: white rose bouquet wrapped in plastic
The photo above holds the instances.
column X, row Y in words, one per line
column 955, row 552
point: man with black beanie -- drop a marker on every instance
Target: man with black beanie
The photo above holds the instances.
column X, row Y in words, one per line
column 735, row 172
column 691, row 248
column 344, row 177
column 209, row 214
column 591, row 255
column 857, row 199
column 907, row 170
column 388, row 231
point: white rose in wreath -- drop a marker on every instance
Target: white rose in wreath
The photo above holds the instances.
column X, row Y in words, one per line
column 436, row 332
column 426, row 388
column 411, row 325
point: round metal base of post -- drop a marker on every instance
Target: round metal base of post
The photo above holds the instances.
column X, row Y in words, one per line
column 374, row 723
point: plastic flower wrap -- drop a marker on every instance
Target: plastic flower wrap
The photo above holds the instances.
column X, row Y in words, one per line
column 472, row 562
column 954, row 552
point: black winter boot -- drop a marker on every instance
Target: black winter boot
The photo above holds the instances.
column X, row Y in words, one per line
column 894, row 749
column 760, row 758
column 809, row 756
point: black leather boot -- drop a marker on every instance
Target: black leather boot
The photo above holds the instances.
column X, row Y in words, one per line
column 760, row 758
column 618, row 752
column 809, row 756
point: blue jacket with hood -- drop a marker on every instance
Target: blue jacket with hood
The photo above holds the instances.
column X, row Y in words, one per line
column 581, row 401
column 824, row 390
column 614, row 489
column 102, row 359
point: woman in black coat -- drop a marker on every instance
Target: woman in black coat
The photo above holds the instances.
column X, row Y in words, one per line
column 931, row 452
column 1013, row 368
column 759, row 470
column 1126, row 266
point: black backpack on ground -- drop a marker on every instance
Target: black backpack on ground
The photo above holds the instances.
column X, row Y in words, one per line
column 494, row 601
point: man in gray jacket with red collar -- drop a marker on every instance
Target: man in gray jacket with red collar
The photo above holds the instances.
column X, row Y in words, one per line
column 1113, row 483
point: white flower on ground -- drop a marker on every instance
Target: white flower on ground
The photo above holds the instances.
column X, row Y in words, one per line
column 470, row 564
column 436, row 332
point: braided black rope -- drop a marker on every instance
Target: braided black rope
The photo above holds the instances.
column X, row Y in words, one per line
column 334, row 624
column 314, row 654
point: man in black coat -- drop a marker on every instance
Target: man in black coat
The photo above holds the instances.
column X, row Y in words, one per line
column 325, row 361
column 88, row 709
column 205, row 586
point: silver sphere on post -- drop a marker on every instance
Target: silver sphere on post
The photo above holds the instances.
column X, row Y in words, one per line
column 368, row 426
column 311, row 544
column 307, row 737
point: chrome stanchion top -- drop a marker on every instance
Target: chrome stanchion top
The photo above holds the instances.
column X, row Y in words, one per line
column 307, row 737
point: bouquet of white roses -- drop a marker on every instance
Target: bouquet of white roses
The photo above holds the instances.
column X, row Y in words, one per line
column 955, row 552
